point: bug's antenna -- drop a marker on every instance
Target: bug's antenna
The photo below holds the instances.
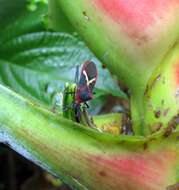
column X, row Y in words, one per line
column 77, row 74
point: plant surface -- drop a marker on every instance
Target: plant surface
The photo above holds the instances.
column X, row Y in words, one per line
column 137, row 42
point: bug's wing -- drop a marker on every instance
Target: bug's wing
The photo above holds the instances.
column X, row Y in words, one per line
column 88, row 75
column 86, row 83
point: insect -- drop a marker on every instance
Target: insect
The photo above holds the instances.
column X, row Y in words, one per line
column 76, row 95
column 84, row 90
column 88, row 77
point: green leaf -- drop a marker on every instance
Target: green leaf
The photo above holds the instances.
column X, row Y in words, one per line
column 25, row 21
column 10, row 10
column 37, row 63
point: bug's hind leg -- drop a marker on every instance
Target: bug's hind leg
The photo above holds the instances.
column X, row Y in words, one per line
column 77, row 113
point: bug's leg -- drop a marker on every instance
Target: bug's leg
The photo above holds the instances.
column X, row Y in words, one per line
column 87, row 106
column 88, row 119
column 66, row 108
column 77, row 112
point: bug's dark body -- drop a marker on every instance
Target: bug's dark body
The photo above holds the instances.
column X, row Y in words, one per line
column 84, row 90
column 88, row 77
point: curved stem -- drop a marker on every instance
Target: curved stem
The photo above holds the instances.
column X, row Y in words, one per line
column 83, row 158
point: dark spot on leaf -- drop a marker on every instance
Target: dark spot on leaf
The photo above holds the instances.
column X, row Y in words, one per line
column 156, row 127
column 145, row 146
column 157, row 113
column 102, row 173
column 168, row 132
column 171, row 126
column 155, row 80
column 158, row 78
column 86, row 16
column 144, row 38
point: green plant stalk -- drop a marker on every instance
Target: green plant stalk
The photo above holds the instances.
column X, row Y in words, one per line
column 128, row 38
column 57, row 20
column 83, row 158
column 162, row 94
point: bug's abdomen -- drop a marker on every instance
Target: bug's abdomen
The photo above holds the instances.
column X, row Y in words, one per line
column 83, row 94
